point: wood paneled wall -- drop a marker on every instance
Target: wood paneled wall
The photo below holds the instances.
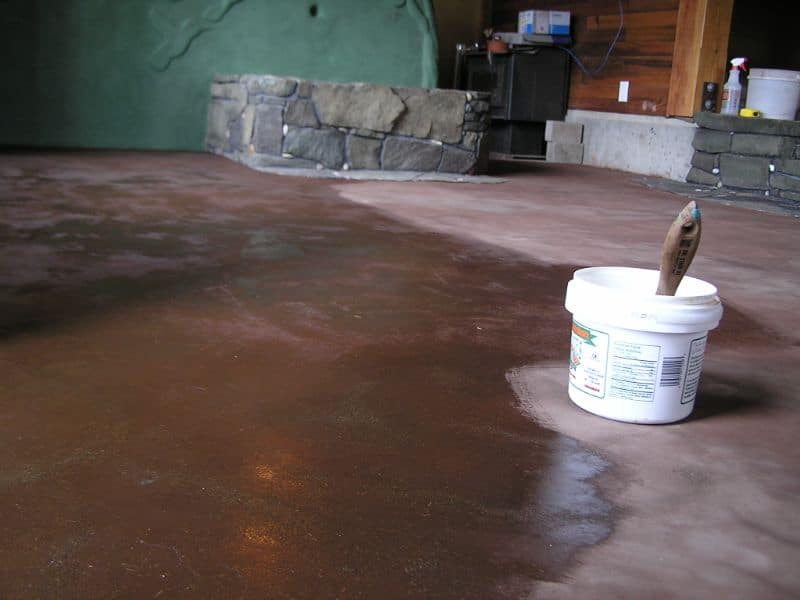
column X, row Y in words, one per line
column 642, row 56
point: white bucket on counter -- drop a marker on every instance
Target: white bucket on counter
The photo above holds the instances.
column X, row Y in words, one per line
column 775, row 92
column 636, row 356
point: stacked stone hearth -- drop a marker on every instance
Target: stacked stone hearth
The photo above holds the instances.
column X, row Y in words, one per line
column 761, row 156
column 265, row 121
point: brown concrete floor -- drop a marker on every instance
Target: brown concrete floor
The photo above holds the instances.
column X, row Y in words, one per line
column 221, row 383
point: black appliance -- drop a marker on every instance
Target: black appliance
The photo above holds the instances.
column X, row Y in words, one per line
column 529, row 86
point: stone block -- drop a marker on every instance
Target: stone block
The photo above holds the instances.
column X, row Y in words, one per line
column 763, row 145
column 233, row 92
column 475, row 116
column 563, row 132
column 744, row 171
column 301, row 113
column 262, row 99
column 790, row 195
column 784, row 182
column 268, row 129
column 221, row 115
column 456, row 160
column 269, row 85
column 363, row 152
column 326, row 146
column 304, row 89
column 357, row 105
column 377, row 135
column 476, row 126
column 482, row 151
column 479, row 106
column 709, row 120
column 564, row 153
column 695, row 175
column 266, row 161
column 406, row 154
column 470, row 140
column 788, row 166
column 706, row 140
column 226, row 78
column 434, row 114
column 705, row 162
column 247, row 122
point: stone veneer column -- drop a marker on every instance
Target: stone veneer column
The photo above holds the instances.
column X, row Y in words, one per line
column 759, row 155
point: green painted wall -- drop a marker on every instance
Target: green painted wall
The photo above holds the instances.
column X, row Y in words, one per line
column 136, row 73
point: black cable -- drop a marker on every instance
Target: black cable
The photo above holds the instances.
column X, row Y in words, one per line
column 602, row 65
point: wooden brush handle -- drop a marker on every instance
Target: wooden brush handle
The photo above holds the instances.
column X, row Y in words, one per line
column 679, row 249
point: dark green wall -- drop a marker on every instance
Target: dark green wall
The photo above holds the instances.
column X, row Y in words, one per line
column 136, row 73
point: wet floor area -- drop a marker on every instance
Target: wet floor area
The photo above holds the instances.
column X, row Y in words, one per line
column 229, row 384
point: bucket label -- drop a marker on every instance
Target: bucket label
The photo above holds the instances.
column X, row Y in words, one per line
column 588, row 360
column 633, row 371
column 697, row 350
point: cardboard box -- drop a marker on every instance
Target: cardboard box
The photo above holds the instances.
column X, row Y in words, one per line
column 541, row 21
column 558, row 23
column 525, row 21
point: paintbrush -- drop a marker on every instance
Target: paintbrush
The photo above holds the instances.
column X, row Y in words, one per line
column 679, row 249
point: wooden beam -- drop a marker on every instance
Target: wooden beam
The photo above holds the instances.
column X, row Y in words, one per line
column 700, row 55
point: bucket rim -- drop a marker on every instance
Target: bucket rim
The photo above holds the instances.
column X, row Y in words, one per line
column 592, row 276
column 775, row 74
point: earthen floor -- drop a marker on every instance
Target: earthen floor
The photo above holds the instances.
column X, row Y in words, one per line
column 222, row 383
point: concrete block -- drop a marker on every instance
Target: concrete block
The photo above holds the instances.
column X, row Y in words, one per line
column 695, row 175
column 784, row 182
column 763, row 145
column 744, row 171
column 564, row 153
column 705, row 162
column 636, row 143
column 563, row 133
column 706, row 140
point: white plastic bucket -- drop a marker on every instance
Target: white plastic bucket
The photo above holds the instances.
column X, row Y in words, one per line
column 636, row 356
column 775, row 92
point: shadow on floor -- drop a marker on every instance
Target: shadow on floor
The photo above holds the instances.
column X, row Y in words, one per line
column 720, row 394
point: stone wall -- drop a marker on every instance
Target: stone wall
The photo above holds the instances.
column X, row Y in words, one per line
column 267, row 121
column 761, row 155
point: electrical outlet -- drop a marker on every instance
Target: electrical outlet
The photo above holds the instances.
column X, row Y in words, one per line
column 623, row 91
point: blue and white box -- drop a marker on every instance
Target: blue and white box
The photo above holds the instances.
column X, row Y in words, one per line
column 541, row 21
column 559, row 22
column 525, row 22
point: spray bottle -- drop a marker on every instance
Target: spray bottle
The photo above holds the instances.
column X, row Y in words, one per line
column 732, row 90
